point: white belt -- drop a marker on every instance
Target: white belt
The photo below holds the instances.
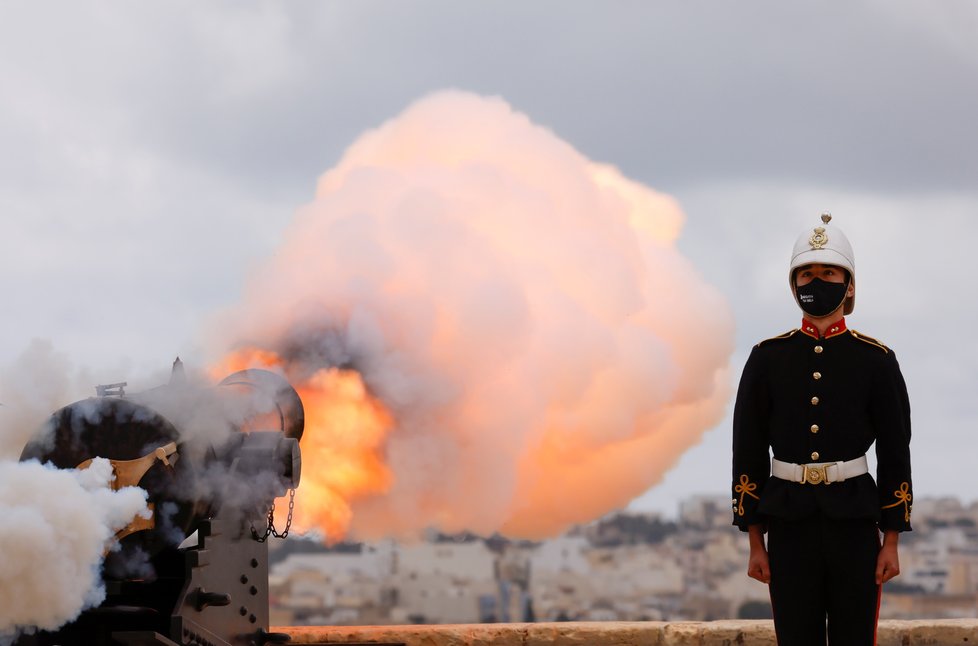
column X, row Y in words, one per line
column 819, row 472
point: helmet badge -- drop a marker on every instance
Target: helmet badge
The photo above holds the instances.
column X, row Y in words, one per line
column 819, row 239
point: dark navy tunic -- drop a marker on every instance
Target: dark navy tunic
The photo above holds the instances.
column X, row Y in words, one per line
column 809, row 399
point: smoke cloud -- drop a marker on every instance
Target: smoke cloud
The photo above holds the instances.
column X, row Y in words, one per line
column 56, row 525
column 490, row 332
column 37, row 382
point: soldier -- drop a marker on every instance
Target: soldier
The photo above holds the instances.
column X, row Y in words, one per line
column 818, row 397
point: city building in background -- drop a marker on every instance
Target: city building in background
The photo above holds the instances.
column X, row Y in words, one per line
column 624, row 567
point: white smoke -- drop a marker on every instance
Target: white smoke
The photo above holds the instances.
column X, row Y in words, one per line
column 543, row 349
column 55, row 527
column 36, row 383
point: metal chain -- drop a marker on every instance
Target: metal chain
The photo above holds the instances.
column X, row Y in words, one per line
column 288, row 520
column 270, row 528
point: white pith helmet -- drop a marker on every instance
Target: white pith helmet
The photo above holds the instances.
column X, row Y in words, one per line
column 824, row 245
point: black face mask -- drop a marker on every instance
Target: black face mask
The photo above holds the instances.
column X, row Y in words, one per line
column 820, row 298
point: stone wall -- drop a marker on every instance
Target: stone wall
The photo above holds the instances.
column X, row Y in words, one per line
column 651, row 633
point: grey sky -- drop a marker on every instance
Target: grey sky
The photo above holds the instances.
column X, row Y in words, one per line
column 152, row 153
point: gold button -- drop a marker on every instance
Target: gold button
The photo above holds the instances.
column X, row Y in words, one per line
column 814, row 401
column 818, row 349
column 814, row 428
column 817, row 375
column 814, row 455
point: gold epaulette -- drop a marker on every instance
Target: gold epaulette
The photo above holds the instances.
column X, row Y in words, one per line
column 870, row 340
column 786, row 335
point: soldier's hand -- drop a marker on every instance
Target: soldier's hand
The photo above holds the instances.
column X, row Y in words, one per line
column 758, row 566
column 887, row 563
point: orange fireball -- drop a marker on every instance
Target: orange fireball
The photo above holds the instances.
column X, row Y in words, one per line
column 342, row 445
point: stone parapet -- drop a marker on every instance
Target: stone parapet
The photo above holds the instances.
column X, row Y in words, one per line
column 649, row 633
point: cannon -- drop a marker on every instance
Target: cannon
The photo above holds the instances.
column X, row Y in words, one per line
column 212, row 460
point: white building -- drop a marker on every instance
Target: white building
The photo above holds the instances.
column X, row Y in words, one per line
column 370, row 563
column 562, row 554
column 471, row 561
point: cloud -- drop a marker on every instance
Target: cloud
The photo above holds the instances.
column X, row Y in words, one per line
column 719, row 92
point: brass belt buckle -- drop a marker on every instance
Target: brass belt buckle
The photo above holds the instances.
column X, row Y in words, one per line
column 816, row 474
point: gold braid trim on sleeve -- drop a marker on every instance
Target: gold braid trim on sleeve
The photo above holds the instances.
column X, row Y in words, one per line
column 745, row 488
column 904, row 498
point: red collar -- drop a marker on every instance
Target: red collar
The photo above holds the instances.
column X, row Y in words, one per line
column 835, row 329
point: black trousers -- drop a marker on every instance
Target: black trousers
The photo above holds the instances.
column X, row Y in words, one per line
column 823, row 581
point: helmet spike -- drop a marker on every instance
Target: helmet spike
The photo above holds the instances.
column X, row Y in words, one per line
column 826, row 217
